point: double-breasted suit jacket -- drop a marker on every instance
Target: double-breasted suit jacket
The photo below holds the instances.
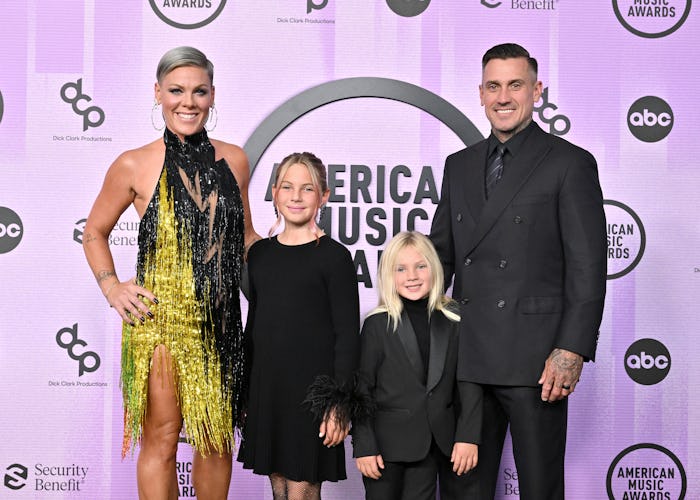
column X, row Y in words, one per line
column 411, row 412
column 529, row 263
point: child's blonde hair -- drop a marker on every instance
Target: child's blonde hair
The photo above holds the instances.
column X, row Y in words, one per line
column 317, row 171
column 389, row 298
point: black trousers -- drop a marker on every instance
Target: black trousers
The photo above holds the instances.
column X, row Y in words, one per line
column 538, row 431
column 419, row 480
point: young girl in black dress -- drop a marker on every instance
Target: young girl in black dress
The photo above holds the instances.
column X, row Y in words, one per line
column 303, row 325
column 426, row 425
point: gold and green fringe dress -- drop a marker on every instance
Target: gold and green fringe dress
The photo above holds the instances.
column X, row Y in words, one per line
column 190, row 256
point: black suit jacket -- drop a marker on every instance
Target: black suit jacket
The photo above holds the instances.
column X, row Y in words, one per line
column 410, row 412
column 529, row 263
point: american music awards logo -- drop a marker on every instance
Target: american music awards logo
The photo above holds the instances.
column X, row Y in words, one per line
column 651, row 19
column 187, row 14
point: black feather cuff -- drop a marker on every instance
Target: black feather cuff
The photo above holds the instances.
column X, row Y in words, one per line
column 325, row 394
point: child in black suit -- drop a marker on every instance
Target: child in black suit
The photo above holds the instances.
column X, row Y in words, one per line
column 426, row 425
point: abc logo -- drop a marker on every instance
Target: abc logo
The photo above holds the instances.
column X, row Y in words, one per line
column 647, row 361
column 650, row 119
column 408, row 8
column 10, row 230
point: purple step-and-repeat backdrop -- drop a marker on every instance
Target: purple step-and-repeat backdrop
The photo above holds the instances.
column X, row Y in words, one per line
column 382, row 91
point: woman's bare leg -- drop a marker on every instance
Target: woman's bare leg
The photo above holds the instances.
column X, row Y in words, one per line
column 155, row 469
column 211, row 475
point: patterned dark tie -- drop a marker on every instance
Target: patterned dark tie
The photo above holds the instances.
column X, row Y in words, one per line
column 494, row 170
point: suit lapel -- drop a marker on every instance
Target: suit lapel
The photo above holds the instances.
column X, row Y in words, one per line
column 439, row 340
column 410, row 344
column 474, row 196
column 518, row 172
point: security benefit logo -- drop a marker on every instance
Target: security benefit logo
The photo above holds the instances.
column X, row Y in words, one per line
column 647, row 361
column 651, row 18
column 187, row 14
column 125, row 233
column 72, row 93
column 11, row 230
column 88, row 361
column 646, row 471
column 15, row 477
column 626, row 238
column 46, row 477
column 650, row 119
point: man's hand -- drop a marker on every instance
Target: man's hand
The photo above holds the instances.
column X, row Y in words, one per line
column 561, row 373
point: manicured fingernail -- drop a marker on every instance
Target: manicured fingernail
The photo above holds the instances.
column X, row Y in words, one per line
column 150, row 314
column 155, row 299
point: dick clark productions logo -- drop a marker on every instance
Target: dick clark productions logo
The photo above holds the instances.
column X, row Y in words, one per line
column 72, row 93
column 72, row 332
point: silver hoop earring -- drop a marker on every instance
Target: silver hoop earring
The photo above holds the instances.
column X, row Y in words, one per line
column 153, row 119
column 212, row 112
column 321, row 213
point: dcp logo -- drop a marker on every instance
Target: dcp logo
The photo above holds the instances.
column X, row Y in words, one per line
column 76, row 88
column 408, row 8
column 650, row 119
column 11, row 230
column 15, row 476
column 647, row 361
column 312, row 5
column 558, row 124
column 80, row 358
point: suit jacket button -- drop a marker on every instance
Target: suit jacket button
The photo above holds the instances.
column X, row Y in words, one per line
column 467, row 262
column 517, row 219
column 464, row 301
column 503, row 264
column 459, row 217
column 501, row 304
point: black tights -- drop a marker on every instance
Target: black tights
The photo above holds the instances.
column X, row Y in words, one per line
column 286, row 489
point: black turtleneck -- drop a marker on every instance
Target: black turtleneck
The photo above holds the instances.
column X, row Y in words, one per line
column 417, row 311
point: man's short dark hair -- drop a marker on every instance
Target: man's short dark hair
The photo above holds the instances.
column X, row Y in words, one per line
column 509, row 51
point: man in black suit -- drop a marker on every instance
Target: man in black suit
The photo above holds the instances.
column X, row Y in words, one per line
column 521, row 226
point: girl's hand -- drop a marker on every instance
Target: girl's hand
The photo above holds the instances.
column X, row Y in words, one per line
column 332, row 430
